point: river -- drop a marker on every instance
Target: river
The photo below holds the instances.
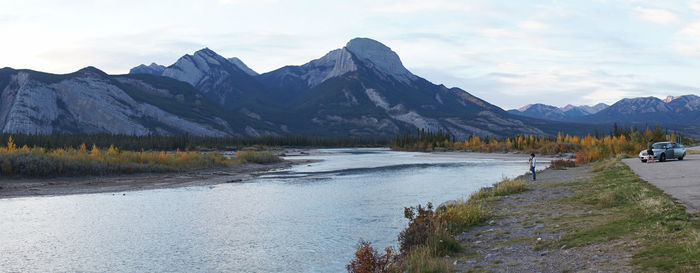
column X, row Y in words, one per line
column 308, row 218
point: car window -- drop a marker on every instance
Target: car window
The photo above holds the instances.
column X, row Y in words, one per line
column 674, row 145
column 680, row 146
column 658, row 146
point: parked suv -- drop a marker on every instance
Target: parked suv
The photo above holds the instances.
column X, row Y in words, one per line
column 664, row 150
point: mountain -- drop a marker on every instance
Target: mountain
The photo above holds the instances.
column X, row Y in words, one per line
column 363, row 89
column 680, row 111
column 90, row 101
column 540, row 111
column 152, row 69
column 548, row 112
column 236, row 61
column 583, row 110
column 227, row 82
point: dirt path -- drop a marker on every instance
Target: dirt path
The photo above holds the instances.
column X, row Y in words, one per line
column 678, row 178
column 10, row 188
column 526, row 225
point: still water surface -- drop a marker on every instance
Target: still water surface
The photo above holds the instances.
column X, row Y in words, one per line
column 304, row 219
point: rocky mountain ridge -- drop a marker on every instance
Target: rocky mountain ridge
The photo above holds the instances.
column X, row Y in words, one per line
column 549, row 112
column 90, row 101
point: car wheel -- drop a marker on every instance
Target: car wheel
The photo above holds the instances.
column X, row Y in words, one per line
column 644, row 161
column 662, row 158
column 681, row 158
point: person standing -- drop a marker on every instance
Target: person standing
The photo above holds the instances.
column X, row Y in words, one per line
column 650, row 151
column 533, row 163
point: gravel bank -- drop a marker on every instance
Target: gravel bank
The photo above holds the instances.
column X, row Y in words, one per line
column 523, row 223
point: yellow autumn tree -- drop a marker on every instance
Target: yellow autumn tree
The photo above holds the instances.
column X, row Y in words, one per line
column 95, row 152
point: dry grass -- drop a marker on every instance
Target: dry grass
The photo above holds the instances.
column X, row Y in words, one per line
column 258, row 157
column 505, row 187
column 40, row 162
column 462, row 215
column 422, row 260
column 561, row 164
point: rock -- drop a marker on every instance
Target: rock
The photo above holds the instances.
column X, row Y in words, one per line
column 492, row 222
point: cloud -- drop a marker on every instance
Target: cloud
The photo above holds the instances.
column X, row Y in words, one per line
column 416, row 6
column 243, row 2
column 687, row 40
column 694, row 5
column 532, row 25
column 559, row 86
column 658, row 16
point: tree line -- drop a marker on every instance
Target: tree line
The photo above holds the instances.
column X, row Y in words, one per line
column 186, row 142
column 628, row 140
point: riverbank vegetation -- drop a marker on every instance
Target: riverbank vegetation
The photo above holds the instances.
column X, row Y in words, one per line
column 430, row 234
column 631, row 209
column 589, row 148
column 16, row 161
column 612, row 209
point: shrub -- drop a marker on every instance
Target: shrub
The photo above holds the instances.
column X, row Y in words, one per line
column 258, row 157
column 422, row 222
column 40, row 162
column 562, row 164
column 368, row 260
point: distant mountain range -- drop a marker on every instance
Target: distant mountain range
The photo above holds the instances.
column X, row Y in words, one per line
column 676, row 112
column 361, row 89
column 548, row 112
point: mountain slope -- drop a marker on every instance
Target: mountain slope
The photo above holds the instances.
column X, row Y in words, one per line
column 90, row 101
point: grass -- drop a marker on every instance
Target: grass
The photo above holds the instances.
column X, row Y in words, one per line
column 692, row 152
column 462, row 215
column 422, row 260
column 506, row 187
column 258, row 157
column 631, row 210
column 451, row 221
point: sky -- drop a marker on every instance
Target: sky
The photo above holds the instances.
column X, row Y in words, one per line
column 510, row 53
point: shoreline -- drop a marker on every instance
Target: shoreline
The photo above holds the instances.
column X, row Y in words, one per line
column 57, row 186
column 35, row 187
